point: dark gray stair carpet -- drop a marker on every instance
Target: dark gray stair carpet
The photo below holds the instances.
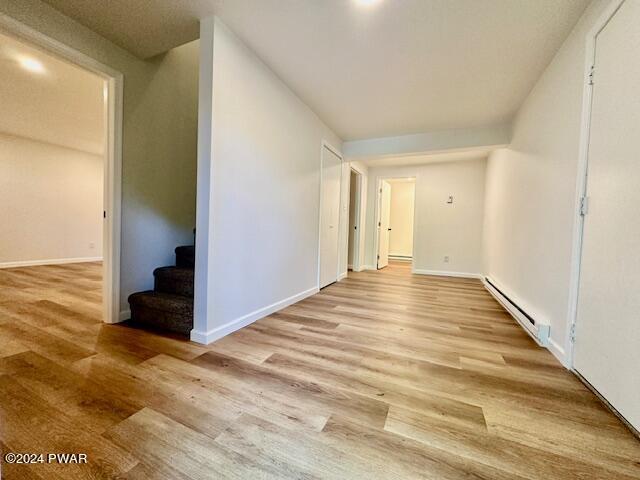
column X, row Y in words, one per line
column 169, row 306
column 186, row 256
column 175, row 280
column 162, row 310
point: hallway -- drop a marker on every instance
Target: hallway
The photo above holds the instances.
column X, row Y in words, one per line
column 383, row 375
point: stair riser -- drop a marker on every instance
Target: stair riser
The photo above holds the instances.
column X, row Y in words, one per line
column 185, row 261
column 162, row 319
column 185, row 256
column 175, row 286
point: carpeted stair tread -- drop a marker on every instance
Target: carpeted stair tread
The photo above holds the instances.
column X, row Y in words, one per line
column 162, row 310
column 185, row 256
column 169, row 306
column 174, row 280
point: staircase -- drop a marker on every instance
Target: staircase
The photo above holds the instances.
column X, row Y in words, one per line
column 169, row 306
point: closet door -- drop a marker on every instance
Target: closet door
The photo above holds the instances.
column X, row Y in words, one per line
column 607, row 345
column 329, row 217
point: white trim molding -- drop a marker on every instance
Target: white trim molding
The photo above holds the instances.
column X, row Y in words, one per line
column 559, row 352
column 444, row 273
column 125, row 315
column 53, row 261
column 230, row 327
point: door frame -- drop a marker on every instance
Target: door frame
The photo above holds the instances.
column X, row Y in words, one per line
column 377, row 213
column 566, row 352
column 337, row 153
column 114, row 84
column 356, row 263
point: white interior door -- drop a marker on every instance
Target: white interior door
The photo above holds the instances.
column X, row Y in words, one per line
column 607, row 345
column 383, row 226
column 329, row 217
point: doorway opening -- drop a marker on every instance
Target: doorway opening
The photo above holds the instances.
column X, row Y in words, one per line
column 395, row 221
column 60, row 164
column 355, row 202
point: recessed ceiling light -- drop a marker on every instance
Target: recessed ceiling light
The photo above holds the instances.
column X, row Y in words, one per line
column 31, row 64
column 366, row 3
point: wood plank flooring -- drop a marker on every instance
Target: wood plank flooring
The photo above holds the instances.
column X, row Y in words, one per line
column 385, row 375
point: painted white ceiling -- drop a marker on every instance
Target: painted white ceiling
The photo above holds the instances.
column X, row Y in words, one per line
column 437, row 157
column 393, row 67
column 62, row 105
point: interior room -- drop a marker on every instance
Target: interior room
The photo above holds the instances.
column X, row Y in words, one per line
column 52, row 164
column 401, row 217
column 395, row 216
column 338, row 239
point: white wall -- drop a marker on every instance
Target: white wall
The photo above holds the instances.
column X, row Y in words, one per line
column 531, row 190
column 159, row 170
column 51, row 199
column 159, row 141
column 263, row 189
column 440, row 229
column 401, row 218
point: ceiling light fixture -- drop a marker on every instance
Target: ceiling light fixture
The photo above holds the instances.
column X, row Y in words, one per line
column 366, row 3
column 31, row 64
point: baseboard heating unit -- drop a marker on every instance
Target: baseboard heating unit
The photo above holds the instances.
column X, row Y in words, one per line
column 538, row 330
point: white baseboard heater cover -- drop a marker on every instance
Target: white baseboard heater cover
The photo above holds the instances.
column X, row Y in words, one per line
column 538, row 330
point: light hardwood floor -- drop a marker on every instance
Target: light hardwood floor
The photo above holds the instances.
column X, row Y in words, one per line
column 383, row 375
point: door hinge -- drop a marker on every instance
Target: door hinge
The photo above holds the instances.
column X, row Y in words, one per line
column 378, row 257
column 592, row 72
column 379, row 224
column 572, row 333
column 104, row 214
column 584, row 205
column 381, row 190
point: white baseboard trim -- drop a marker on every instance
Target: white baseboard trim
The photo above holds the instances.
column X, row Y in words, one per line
column 559, row 352
column 343, row 275
column 444, row 273
column 400, row 257
column 54, row 261
column 124, row 315
column 230, row 327
column 368, row 267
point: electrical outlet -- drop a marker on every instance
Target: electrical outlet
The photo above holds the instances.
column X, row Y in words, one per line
column 92, row 245
column 446, row 259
